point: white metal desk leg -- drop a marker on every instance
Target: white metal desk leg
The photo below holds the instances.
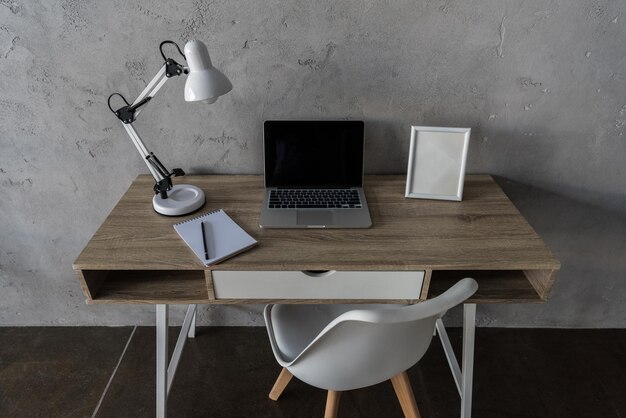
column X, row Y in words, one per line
column 192, row 327
column 161, row 360
column 467, row 374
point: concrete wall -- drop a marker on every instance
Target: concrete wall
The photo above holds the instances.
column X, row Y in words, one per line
column 541, row 83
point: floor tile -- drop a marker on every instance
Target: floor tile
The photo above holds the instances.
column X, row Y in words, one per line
column 228, row 372
column 56, row 372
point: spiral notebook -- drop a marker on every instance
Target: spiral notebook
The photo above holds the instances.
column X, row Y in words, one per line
column 224, row 238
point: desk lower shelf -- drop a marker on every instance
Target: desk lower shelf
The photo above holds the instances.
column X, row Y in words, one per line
column 196, row 286
column 144, row 286
column 495, row 286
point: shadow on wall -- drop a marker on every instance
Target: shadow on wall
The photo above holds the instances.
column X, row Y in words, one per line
column 590, row 242
column 389, row 139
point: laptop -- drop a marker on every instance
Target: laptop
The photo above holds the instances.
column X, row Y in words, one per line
column 314, row 175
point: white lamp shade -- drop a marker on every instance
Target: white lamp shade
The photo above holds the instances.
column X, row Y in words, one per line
column 205, row 83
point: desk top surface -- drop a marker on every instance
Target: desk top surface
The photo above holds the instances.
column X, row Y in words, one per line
column 484, row 231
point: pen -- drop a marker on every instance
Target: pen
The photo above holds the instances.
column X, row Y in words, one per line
column 206, row 250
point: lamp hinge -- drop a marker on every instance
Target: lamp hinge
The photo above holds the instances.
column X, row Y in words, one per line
column 173, row 69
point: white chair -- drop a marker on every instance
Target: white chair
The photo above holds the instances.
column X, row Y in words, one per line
column 345, row 347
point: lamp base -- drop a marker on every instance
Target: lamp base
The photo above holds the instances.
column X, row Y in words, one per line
column 181, row 200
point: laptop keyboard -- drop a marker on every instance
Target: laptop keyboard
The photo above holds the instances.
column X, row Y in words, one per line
column 315, row 198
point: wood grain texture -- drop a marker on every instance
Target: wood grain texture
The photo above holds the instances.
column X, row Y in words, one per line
column 152, row 287
column 484, row 232
column 208, row 277
column 90, row 281
column 542, row 281
column 281, row 383
column 332, row 404
column 494, row 286
column 426, row 284
column 404, row 392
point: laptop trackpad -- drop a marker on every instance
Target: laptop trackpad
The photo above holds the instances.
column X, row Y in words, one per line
column 315, row 217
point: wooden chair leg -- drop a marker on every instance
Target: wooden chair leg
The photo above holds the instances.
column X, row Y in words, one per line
column 332, row 404
column 281, row 383
column 402, row 386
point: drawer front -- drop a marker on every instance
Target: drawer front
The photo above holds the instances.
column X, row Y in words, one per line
column 366, row 285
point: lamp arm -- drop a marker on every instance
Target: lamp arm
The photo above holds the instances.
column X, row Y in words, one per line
column 151, row 89
column 170, row 69
column 162, row 175
column 148, row 92
column 128, row 115
column 141, row 147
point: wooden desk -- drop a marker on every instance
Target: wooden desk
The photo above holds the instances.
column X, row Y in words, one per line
column 137, row 257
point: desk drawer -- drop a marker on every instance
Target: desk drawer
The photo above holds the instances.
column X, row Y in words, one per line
column 353, row 285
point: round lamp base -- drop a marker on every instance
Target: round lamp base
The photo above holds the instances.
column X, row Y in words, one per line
column 181, row 200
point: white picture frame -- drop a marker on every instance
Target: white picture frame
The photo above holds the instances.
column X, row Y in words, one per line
column 436, row 168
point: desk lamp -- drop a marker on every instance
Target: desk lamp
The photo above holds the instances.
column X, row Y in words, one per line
column 204, row 84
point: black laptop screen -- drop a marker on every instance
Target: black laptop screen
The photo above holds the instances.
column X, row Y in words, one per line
column 313, row 153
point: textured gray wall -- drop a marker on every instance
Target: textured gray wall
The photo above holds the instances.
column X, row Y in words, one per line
column 541, row 83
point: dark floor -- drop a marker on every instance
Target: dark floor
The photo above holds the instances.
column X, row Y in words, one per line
column 227, row 372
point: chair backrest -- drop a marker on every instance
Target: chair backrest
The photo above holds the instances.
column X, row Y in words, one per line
column 363, row 347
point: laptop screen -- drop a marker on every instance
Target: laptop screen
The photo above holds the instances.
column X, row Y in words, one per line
column 313, row 153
